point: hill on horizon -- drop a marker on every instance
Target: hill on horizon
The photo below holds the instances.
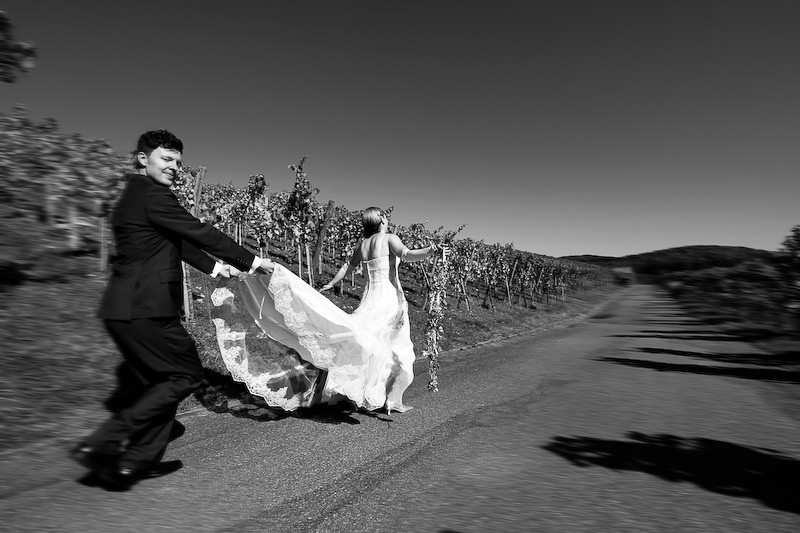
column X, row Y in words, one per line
column 690, row 257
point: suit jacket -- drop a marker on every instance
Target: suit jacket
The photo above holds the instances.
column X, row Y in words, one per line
column 153, row 233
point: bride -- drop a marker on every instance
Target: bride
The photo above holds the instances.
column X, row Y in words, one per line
column 322, row 352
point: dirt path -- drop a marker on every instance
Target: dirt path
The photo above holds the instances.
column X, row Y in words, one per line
column 638, row 419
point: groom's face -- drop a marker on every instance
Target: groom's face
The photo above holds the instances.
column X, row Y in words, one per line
column 162, row 165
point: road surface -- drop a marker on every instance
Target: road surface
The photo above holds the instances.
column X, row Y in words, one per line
column 638, row 418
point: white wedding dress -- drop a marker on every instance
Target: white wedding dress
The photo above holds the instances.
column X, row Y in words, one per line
column 366, row 356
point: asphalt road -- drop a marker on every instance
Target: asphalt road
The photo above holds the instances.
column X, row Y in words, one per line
column 638, row 418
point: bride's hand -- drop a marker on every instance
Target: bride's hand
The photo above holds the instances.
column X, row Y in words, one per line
column 326, row 287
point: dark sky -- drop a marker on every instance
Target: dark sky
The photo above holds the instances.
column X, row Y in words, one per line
column 564, row 127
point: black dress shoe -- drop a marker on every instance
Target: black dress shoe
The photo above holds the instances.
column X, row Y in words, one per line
column 122, row 478
column 118, row 478
column 160, row 469
column 177, row 430
column 90, row 458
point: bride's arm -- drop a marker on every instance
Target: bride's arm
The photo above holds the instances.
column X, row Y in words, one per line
column 346, row 269
column 400, row 250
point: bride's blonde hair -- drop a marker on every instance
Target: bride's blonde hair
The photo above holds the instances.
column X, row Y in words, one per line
column 371, row 220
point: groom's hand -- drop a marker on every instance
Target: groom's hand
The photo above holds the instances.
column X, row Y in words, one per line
column 227, row 271
column 266, row 266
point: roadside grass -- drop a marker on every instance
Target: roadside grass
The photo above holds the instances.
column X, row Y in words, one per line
column 58, row 364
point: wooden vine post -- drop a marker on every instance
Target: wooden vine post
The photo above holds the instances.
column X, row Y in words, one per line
column 188, row 308
column 198, row 194
column 509, row 280
column 323, row 231
column 463, row 286
column 188, row 300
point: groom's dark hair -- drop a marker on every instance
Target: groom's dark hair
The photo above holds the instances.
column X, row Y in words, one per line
column 150, row 140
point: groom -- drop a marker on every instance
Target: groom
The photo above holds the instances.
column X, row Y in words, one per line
column 141, row 311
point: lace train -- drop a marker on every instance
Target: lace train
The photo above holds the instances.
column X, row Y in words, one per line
column 293, row 347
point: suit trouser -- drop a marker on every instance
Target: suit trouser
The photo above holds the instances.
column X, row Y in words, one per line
column 164, row 368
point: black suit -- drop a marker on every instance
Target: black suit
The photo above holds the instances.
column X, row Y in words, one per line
column 141, row 309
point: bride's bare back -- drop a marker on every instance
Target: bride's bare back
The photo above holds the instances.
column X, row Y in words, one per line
column 379, row 245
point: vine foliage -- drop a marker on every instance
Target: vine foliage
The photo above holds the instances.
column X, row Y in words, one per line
column 57, row 191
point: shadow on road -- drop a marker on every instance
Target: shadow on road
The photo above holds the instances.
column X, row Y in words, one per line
column 689, row 322
column 682, row 336
column 762, row 374
column 692, row 331
column 782, row 359
column 220, row 394
column 711, row 331
column 723, row 467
